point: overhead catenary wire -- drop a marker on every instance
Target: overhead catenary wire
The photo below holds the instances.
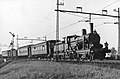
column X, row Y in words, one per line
column 99, row 25
column 62, row 28
column 75, row 15
column 69, row 26
column 65, row 27
column 83, row 17
column 107, row 6
column 73, row 33
column 85, row 3
column 96, row 11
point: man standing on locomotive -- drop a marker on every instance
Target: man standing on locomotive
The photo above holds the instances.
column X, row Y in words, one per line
column 105, row 50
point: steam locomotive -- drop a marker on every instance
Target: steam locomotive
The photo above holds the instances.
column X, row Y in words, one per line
column 82, row 47
column 85, row 47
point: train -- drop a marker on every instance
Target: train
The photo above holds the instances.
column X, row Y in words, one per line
column 73, row 47
column 40, row 50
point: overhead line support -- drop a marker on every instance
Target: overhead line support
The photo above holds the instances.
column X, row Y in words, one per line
column 100, row 15
column 87, row 13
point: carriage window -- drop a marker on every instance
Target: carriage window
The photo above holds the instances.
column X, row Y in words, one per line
column 38, row 48
column 43, row 47
column 34, row 47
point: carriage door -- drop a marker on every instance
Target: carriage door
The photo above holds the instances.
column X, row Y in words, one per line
column 52, row 47
column 29, row 51
column 50, row 50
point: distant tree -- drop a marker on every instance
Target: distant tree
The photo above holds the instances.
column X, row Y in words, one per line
column 113, row 53
column 113, row 50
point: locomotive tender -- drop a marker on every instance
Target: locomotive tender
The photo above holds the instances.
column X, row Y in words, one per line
column 85, row 47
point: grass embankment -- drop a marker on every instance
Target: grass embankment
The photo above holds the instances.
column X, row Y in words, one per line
column 53, row 70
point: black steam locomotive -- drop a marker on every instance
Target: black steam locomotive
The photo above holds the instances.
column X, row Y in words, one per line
column 85, row 47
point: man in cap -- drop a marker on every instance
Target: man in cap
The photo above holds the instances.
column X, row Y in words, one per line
column 105, row 50
column 106, row 45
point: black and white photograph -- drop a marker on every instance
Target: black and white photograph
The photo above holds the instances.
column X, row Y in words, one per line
column 59, row 39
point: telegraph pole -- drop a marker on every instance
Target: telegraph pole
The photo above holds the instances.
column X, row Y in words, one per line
column 118, row 11
column 17, row 42
column 118, row 30
column 90, row 18
column 57, row 25
column 57, row 22
column 57, row 30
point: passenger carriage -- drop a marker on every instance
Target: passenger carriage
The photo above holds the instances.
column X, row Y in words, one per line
column 43, row 50
column 9, row 54
column 24, row 51
column 5, row 54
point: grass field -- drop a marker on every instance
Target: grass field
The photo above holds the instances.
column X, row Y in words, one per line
column 53, row 70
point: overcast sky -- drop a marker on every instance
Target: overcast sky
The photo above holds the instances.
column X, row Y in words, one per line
column 37, row 18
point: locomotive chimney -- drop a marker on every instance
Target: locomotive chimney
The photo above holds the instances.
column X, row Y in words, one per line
column 84, row 32
column 91, row 27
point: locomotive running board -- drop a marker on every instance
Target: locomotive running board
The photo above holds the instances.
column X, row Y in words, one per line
column 83, row 51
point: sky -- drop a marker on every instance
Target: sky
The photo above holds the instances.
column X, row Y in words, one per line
column 37, row 18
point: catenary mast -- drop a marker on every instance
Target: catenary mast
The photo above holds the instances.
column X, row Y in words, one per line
column 118, row 30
